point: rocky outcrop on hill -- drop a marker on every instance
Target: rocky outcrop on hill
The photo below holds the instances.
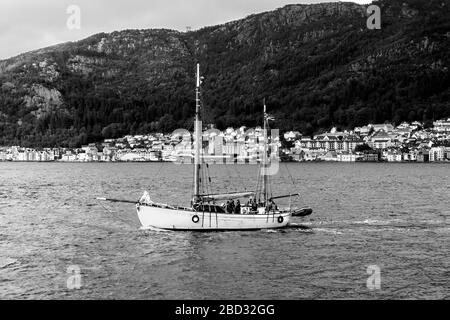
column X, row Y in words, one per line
column 317, row 65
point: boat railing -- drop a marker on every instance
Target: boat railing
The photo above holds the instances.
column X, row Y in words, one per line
column 166, row 206
column 246, row 211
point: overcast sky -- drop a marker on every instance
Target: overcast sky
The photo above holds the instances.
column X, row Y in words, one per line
column 32, row 24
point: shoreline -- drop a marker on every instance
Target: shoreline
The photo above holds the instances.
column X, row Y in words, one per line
column 239, row 163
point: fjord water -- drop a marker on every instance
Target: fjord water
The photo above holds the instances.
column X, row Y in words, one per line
column 392, row 216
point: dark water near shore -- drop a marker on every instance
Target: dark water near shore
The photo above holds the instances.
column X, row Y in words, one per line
column 392, row 216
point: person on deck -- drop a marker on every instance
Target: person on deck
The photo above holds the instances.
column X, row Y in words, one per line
column 228, row 207
column 254, row 205
column 232, row 206
column 272, row 205
column 237, row 210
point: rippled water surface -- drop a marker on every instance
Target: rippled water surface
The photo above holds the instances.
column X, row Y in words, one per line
column 392, row 216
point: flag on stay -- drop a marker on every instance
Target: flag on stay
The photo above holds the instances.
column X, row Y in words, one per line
column 269, row 117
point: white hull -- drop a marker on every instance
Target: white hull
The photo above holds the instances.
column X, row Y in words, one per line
column 167, row 219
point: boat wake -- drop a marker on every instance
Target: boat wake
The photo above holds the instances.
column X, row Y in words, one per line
column 300, row 228
column 303, row 226
column 151, row 229
column 330, row 231
column 340, row 227
column 5, row 263
column 372, row 222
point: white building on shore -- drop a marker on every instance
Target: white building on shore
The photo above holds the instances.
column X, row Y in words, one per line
column 442, row 126
column 438, row 154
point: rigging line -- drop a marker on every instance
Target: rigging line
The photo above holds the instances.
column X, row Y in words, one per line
column 159, row 171
column 205, row 184
column 205, row 178
column 211, row 188
column 209, row 181
column 261, row 177
column 269, row 188
column 290, row 175
column 113, row 214
column 192, row 183
column 258, row 184
column 228, row 173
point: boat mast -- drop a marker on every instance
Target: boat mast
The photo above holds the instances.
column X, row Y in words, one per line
column 264, row 159
column 197, row 138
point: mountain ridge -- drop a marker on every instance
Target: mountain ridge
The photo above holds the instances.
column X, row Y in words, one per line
column 317, row 65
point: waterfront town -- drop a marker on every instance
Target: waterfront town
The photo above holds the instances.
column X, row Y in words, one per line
column 408, row 142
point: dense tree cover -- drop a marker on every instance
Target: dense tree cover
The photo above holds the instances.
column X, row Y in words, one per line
column 324, row 70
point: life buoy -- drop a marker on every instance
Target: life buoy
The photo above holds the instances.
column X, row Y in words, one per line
column 195, row 219
column 280, row 219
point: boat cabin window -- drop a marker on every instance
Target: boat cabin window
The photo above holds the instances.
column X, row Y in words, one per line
column 209, row 208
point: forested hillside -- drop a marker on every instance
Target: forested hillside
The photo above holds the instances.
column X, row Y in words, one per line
column 317, row 65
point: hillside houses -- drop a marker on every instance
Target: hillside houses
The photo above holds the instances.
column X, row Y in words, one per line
column 332, row 141
column 408, row 142
column 328, row 146
column 442, row 126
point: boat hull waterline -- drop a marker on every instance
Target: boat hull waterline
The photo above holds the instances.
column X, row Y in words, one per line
column 170, row 219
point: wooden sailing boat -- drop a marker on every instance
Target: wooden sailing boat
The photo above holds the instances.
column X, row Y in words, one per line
column 204, row 214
